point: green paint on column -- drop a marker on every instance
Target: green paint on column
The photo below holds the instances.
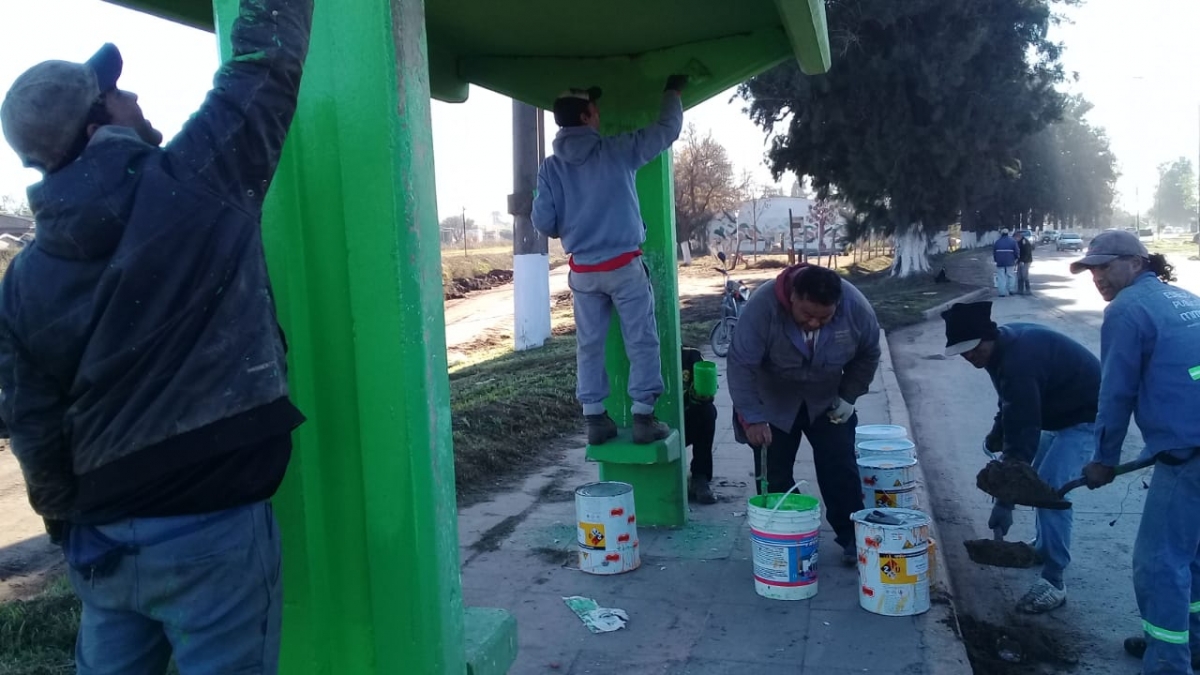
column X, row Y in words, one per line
column 371, row 570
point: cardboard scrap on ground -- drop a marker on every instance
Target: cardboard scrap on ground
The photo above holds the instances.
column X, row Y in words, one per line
column 598, row 619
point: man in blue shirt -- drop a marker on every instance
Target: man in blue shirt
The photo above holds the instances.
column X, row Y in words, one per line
column 1006, row 253
column 1150, row 367
column 1047, row 385
column 587, row 197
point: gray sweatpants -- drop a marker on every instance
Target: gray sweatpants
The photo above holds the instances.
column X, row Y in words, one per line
column 595, row 295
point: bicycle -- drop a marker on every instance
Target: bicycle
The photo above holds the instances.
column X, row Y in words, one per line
column 734, row 296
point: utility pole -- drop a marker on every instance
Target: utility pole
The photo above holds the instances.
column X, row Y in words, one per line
column 464, row 224
column 531, row 259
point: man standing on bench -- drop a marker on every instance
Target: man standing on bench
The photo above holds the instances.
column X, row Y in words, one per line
column 587, row 196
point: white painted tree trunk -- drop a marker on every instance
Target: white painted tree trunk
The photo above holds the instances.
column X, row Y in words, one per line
column 912, row 252
column 969, row 240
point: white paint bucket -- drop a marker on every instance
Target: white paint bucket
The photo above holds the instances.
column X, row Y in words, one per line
column 889, row 530
column 888, row 483
column 895, row 448
column 783, row 535
column 894, row 584
column 879, row 432
column 607, row 534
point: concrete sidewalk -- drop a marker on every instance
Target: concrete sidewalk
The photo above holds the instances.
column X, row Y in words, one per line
column 692, row 605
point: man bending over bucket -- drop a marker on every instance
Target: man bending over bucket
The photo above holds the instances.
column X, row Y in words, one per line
column 806, row 347
column 587, row 196
column 1047, row 385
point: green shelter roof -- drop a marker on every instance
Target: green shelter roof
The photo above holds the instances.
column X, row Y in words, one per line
column 532, row 49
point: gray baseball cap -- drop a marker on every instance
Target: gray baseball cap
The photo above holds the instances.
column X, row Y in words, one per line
column 46, row 108
column 1107, row 247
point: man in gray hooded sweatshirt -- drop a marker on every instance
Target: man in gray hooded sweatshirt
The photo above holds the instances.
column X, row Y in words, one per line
column 587, row 197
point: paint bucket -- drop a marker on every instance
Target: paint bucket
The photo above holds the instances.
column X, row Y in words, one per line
column 894, row 584
column 888, row 483
column 896, row 448
column 890, row 530
column 783, row 535
column 704, row 379
column 607, row 535
column 895, row 561
column 879, row 432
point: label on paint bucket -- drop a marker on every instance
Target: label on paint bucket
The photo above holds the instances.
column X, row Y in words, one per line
column 892, row 499
column 903, row 568
column 785, row 559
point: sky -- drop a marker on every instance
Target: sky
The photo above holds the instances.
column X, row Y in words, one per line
column 1139, row 63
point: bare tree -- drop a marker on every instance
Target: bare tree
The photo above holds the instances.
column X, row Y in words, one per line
column 704, row 185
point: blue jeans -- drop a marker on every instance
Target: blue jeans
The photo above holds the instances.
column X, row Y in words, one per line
column 595, row 294
column 1166, row 569
column 1006, row 280
column 212, row 598
column 1060, row 458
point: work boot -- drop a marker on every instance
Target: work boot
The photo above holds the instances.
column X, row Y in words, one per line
column 1042, row 597
column 849, row 555
column 1136, row 647
column 600, row 428
column 699, row 490
column 647, row 429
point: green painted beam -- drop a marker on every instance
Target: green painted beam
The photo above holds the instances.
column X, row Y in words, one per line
column 804, row 21
column 367, row 510
column 632, row 84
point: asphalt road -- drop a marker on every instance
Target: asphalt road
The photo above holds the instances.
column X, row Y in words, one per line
column 952, row 406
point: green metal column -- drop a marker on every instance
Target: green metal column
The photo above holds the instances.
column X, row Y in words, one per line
column 371, row 570
column 657, row 472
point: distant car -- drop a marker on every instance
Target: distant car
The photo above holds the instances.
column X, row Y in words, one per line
column 1069, row 241
column 1049, row 236
column 1028, row 234
column 1146, row 235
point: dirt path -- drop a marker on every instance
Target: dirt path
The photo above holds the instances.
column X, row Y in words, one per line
column 26, row 554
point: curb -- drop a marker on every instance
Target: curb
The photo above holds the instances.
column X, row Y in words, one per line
column 935, row 312
column 941, row 636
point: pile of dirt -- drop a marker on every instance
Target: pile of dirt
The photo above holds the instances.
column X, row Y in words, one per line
column 1015, row 482
column 458, row 288
column 1016, row 649
column 1015, row 554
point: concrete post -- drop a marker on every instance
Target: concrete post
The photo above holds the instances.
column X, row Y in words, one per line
column 371, row 569
column 531, row 260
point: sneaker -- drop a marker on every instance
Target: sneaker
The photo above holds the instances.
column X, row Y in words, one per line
column 600, row 428
column 647, row 429
column 1136, row 647
column 700, row 491
column 1042, row 597
column 849, row 555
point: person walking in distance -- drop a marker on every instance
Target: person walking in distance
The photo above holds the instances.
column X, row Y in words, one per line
column 142, row 369
column 1150, row 368
column 587, row 197
column 1024, row 262
column 1006, row 253
column 806, row 347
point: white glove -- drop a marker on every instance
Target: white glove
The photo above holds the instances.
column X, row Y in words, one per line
column 840, row 413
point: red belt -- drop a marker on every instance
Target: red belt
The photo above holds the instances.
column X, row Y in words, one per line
column 607, row 265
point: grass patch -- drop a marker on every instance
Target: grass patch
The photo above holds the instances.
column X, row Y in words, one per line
column 37, row 636
column 1173, row 246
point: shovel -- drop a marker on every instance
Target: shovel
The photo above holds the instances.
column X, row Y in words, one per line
column 1016, row 482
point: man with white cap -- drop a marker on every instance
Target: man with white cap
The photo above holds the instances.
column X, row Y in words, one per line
column 1047, row 386
column 1150, row 368
column 587, row 197
column 142, row 369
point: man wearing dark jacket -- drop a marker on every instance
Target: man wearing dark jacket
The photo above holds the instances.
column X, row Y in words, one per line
column 806, row 347
column 1048, row 386
column 142, row 369
column 1006, row 253
column 699, row 430
column 1024, row 261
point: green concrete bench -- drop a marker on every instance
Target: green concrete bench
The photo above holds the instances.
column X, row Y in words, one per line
column 655, row 471
column 491, row 640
